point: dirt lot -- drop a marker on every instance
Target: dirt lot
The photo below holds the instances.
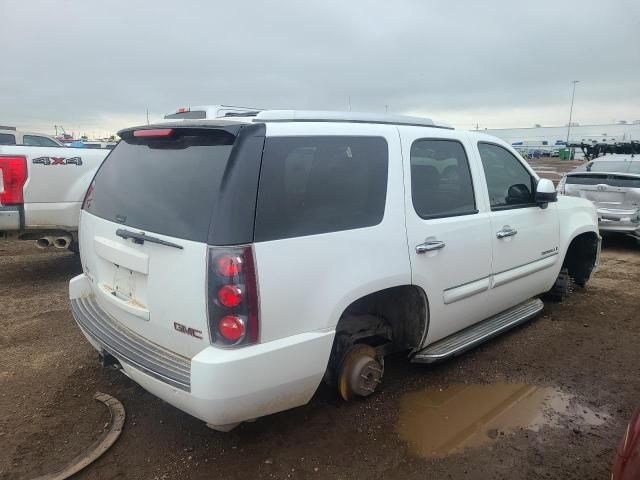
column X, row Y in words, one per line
column 553, row 168
column 586, row 347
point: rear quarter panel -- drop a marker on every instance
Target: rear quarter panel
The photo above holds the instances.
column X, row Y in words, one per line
column 307, row 282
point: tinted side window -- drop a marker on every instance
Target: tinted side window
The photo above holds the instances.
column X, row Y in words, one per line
column 313, row 185
column 510, row 184
column 441, row 183
column 7, row 139
column 38, row 141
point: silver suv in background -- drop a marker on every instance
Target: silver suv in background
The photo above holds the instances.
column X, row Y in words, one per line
column 612, row 183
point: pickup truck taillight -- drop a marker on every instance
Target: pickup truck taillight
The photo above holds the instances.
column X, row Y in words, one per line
column 233, row 297
column 13, row 175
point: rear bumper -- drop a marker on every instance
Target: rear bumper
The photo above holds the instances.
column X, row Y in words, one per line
column 10, row 218
column 222, row 386
column 627, row 226
column 619, row 220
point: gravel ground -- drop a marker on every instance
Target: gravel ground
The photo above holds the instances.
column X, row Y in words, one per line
column 586, row 347
column 553, row 168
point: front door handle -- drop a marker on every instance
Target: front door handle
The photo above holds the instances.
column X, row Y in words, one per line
column 429, row 246
column 506, row 231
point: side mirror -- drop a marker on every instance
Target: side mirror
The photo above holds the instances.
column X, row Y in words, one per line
column 545, row 192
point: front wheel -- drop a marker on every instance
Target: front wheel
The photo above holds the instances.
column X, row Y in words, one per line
column 562, row 287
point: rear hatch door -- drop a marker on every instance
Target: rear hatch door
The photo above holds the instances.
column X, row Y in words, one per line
column 608, row 191
column 145, row 230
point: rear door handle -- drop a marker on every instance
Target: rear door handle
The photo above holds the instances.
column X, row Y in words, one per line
column 506, row 231
column 429, row 246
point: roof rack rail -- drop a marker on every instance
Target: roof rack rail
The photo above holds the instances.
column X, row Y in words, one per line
column 2, row 127
column 347, row 117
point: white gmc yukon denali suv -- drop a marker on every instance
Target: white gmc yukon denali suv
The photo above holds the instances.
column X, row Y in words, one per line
column 231, row 265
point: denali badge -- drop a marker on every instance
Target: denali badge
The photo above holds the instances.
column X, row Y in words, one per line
column 58, row 161
column 188, row 330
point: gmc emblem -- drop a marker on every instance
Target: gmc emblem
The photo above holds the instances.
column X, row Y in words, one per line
column 192, row 332
column 58, row 161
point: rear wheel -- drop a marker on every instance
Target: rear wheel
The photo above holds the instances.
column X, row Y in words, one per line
column 360, row 372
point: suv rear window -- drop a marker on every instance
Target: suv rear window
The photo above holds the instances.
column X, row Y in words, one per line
column 603, row 178
column 313, row 185
column 163, row 186
column 612, row 166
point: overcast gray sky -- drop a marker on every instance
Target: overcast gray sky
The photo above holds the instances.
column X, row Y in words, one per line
column 96, row 66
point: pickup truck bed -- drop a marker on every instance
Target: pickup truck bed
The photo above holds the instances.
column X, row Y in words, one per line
column 42, row 190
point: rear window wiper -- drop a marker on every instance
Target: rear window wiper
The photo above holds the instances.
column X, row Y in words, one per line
column 140, row 238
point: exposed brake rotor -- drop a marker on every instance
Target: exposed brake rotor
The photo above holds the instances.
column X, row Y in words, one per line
column 360, row 372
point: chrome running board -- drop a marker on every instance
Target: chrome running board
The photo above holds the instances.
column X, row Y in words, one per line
column 478, row 333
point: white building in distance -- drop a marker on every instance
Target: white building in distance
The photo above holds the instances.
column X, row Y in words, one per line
column 553, row 138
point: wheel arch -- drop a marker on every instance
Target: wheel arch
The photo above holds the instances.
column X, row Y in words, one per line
column 582, row 254
column 405, row 307
column 388, row 319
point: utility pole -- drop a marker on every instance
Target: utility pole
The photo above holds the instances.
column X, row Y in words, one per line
column 147, row 116
column 573, row 95
column 386, row 108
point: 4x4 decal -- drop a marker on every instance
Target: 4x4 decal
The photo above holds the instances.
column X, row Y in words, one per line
column 58, row 161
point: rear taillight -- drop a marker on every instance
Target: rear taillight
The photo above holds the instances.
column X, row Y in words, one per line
column 229, row 265
column 13, row 175
column 232, row 328
column 233, row 297
column 230, row 295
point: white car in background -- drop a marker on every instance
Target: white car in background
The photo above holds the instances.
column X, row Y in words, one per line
column 230, row 266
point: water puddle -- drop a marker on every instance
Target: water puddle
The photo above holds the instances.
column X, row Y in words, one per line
column 444, row 421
